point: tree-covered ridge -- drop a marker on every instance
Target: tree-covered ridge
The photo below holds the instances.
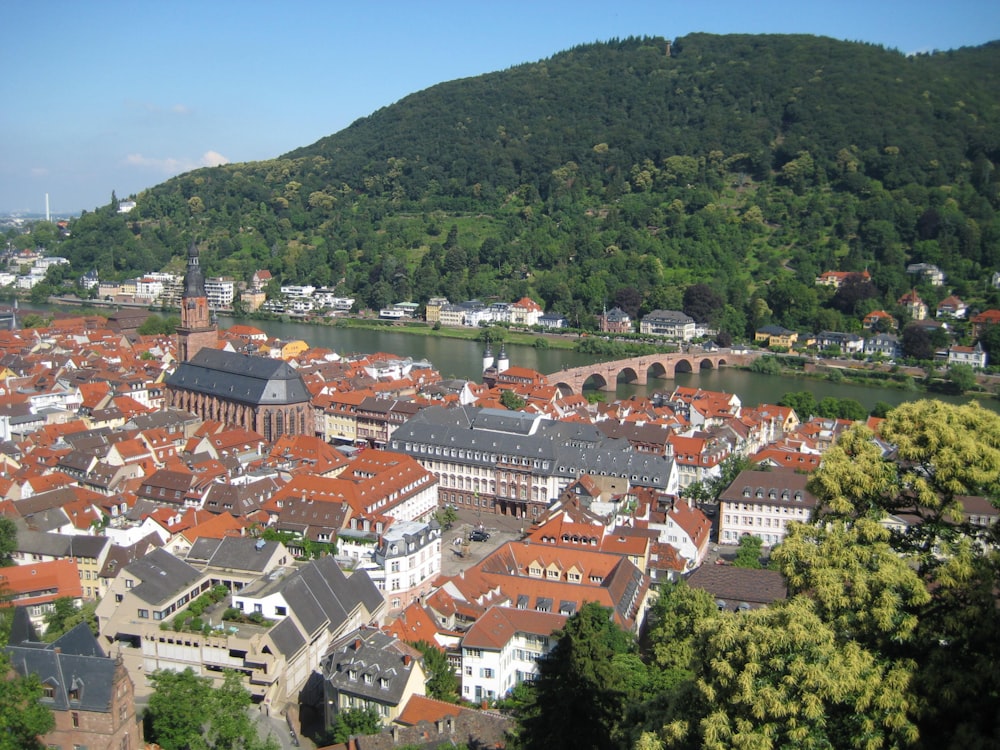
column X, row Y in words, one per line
column 619, row 171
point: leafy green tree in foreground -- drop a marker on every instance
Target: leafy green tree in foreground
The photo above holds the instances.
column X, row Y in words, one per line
column 585, row 685
column 780, row 677
column 22, row 717
column 748, row 555
column 8, row 541
column 186, row 713
column 442, row 683
column 353, row 722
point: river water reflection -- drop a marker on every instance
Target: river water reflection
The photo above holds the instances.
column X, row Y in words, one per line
column 463, row 359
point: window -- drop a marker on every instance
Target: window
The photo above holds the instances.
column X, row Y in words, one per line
column 75, row 716
column 369, row 679
column 474, row 653
column 258, row 608
column 352, row 675
column 48, row 692
column 486, row 672
column 144, row 614
column 280, row 611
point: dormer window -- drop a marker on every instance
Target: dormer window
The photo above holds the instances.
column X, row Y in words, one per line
column 352, row 675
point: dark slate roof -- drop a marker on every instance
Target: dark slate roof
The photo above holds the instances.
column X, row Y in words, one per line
column 733, row 587
column 162, row 576
column 370, row 652
column 241, row 378
column 232, row 553
column 74, row 662
column 60, row 545
column 287, row 638
column 364, row 590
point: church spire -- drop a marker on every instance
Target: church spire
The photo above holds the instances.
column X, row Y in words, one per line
column 197, row 330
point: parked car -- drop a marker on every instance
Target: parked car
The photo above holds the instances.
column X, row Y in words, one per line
column 478, row 535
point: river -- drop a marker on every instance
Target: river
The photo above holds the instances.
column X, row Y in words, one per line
column 463, row 359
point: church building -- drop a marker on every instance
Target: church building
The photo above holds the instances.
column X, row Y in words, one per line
column 264, row 395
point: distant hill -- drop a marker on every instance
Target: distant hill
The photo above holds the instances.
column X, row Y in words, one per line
column 632, row 167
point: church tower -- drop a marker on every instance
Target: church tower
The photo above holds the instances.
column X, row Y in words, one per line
column 197, row 329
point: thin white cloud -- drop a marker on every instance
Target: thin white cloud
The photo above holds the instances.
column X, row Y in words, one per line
column 213, row 159
column 39, row 172
column 173, row 165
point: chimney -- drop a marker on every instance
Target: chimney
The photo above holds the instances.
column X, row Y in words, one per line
column 357, row 644
column 406, row 660
column 57, row 649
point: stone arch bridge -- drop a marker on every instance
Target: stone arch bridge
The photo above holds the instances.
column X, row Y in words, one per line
column 638, row 370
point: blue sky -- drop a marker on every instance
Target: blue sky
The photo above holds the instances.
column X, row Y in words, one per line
column 102, row 96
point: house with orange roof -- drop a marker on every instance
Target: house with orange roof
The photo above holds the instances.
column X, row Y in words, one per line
column 680, row 524
column 549, row 579
column 131, row 451
column 981, row 321
column 502, row 648
column 872, row 319
column 911, row 303
column 424, row 717
column 306, row 453
column 785, row 455
column 237, row 441
column 215, row 526
column 36, row 484
column 699, row 458
column 415, row 624
column 36, row 586
column 525, row 312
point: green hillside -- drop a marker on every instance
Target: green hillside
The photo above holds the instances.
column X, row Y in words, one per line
column 620, row 172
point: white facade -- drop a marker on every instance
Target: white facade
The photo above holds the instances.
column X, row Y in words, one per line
column 297, row 291
column 494, row 662
column 220, row 292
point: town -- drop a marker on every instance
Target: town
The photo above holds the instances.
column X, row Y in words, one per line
column 232, row 504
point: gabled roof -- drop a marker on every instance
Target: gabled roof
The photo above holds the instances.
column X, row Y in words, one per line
column 241, row 378
column 499, row 624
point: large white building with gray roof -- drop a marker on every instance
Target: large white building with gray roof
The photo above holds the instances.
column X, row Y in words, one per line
column 517, row 464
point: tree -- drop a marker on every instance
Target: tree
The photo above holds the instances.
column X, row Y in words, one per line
column 961, row 377
column 629, row 299
column 446, row 516
column 442, row 683
column 22, row 715
column 779, row 677
column 353, row 722
column 916, row 342
column 8, row 541
column 185, row 711
column 803, row 402
column 584, row 681
column 179, row 708
column 853, row 290
column 63, row 608
column 748, row 555
column 702, row 302
column 511, row 400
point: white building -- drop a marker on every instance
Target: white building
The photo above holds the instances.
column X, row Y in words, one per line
column 502, row 648
column 220, row 290
column 405, row 562
column 293, row 291
column 669, row 323
column 762, row 504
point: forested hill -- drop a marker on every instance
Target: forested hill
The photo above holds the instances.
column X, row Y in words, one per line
column 622, row 171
